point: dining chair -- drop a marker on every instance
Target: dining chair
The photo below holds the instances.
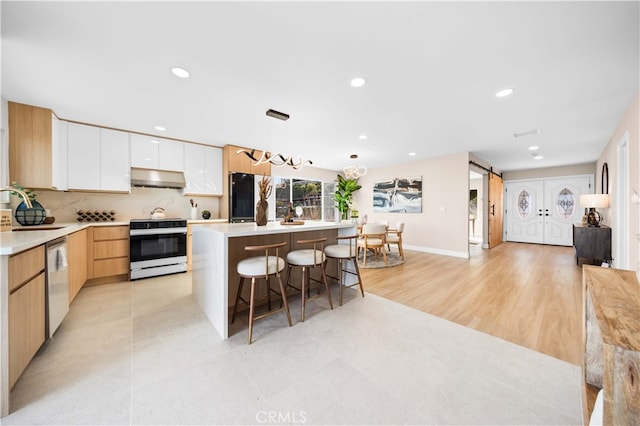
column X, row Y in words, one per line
column 394, row 236
column 373, row 238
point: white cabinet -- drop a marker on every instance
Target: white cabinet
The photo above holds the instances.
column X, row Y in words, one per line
column 114, row 161
column 59, row 153
column 98, row 159
column 83, row 144
column 144, row 151
column 203, row 169
column 150, row 152
column 171, row 155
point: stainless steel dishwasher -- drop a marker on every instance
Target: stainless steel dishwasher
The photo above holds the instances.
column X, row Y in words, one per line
column 57, row 297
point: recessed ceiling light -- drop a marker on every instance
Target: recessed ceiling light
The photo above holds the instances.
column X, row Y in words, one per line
column 358, row 82
column 538, row 157
column 154, row 141
column 160, row 128
column 533, row 148
column 362, row 137
column 411, row 154
column 504, row 92
column 180, row 72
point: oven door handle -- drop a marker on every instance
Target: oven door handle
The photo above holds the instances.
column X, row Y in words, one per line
column 157, row 231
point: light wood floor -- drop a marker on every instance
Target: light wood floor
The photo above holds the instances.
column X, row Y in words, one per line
column 527, row 294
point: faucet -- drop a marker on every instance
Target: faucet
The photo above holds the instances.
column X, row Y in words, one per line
column 24, row 196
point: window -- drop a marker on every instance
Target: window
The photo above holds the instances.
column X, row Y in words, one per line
column 314, row 197
column 566, row 203
column 524, row 204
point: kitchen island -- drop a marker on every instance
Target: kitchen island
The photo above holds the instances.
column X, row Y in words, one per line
column 217, row 248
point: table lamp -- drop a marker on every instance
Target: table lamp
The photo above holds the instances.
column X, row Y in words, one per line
column 592, row 202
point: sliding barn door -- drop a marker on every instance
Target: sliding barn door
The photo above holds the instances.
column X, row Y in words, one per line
column 495, row 210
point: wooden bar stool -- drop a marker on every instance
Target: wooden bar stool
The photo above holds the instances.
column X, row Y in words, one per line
column 265, row 267
column 308, row 258
column 343, row 253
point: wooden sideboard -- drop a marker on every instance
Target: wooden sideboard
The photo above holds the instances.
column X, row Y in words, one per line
column 592, row 242
column 611, row 335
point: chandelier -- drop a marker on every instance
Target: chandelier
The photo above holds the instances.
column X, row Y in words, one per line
column 354, row 171
column 275, row 159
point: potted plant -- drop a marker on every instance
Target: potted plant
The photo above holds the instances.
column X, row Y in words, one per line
column 343, row 195
column 28, row 216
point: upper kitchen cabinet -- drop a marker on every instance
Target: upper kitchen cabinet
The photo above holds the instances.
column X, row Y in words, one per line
column 98, row 159
column 202, row 169
column 241, row 163
column 150, row 152
column 37, row 144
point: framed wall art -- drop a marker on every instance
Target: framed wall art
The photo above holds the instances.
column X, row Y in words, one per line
column 398, row 195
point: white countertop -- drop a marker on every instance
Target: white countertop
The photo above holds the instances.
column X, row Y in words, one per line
column 12, row 242
column 244, row 229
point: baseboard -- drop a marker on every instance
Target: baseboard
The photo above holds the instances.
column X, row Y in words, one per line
column 462, row 254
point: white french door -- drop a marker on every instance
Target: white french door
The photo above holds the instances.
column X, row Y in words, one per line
column 543, row 211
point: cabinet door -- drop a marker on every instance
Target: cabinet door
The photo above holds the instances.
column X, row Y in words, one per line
column 171, row 155
column 114, row 160
column 26, row 325
column 144, row 151
column 77, row 256
column 83, row 156
column 194, row 162
column 213, row 170
column 30, row 145
column 59, row 153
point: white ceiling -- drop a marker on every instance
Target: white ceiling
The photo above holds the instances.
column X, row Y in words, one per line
column 432, row 71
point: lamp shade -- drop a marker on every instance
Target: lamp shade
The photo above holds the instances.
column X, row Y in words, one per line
column 598, row 201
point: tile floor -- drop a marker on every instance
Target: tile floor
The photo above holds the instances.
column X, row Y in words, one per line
column 143, row 353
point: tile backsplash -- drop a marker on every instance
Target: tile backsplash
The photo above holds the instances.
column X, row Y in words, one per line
column 137, row 205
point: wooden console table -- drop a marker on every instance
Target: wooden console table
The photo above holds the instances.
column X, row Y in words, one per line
column 611, row 334
column 592, row 242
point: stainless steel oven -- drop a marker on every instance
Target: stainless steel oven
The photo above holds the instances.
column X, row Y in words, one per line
column 157, row 247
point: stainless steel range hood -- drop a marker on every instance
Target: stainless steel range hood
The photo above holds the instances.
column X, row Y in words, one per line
column 157, row 178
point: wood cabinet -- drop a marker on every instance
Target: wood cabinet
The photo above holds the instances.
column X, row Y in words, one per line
column 26, row 309
column 202, row 169
column 77, row 259
column 150, row 152
column 35, row 147
column 241, row 163
column 108, row 257
column 98, row 159
column 611, row 332
column 592, row 242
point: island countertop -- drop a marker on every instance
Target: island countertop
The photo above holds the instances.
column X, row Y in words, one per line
column 247, row 229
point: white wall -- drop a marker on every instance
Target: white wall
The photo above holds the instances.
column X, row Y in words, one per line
column 630, row 125
column 443, row 225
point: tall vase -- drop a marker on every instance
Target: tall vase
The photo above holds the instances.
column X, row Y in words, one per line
column 345, row 214
column 261, row 212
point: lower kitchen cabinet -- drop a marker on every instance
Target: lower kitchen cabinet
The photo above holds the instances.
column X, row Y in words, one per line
column 108, row 252
column 26, row 309
column 77, row 255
